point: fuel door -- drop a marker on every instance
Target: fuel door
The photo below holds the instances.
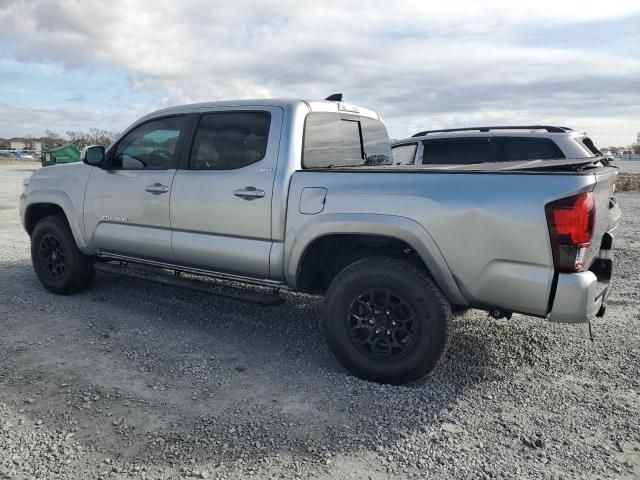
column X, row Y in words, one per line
column 312, row 200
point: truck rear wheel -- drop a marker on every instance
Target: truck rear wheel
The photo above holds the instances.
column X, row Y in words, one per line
column 58, row 263
column 386, row 320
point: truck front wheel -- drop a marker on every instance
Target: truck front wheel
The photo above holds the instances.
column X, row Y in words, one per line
column 58, row 263
column 386, row 320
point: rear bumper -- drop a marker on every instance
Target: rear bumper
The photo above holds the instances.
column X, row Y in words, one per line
column 579, row 297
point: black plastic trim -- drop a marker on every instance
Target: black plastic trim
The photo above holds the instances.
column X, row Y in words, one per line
column 548, row 128
column 552, row 294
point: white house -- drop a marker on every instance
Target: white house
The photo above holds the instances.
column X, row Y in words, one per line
column 22, row 144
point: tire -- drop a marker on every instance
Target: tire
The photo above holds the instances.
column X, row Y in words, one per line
column 58, row 263
column 378, row 295
column 459, row 309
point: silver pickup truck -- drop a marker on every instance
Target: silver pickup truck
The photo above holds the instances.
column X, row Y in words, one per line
column 300, row 195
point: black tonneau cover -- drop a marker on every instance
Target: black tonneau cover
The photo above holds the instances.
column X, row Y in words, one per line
column 559, row 165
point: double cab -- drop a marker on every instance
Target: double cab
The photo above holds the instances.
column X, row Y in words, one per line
column 303, row 195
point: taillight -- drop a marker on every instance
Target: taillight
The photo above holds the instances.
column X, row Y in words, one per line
column 571, row 221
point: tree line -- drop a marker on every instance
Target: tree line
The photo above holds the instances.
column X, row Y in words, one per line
column 634, row 147
column 81, row 139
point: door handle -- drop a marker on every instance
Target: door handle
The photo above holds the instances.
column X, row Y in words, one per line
column 156, row 188
column 249, row 193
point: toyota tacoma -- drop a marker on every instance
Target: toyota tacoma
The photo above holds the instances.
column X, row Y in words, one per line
column 302, row 195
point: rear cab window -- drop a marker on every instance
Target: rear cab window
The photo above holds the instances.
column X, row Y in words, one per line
column 339, row 140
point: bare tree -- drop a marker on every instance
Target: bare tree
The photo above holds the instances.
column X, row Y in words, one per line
column 636, row 146
column 95, row 136
column 102, row 137
column 51, row 139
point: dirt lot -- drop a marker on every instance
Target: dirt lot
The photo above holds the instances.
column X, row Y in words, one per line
column 138, row 380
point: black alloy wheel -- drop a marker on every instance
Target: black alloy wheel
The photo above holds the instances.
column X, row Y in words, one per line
column 382, row 324
column 52, row 256
column 60, row 266
column 386, row 320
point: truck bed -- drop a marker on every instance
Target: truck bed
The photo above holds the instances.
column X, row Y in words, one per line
column 490, row 230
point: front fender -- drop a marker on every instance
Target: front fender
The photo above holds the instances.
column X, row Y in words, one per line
column 62, row 200
column 401, row 228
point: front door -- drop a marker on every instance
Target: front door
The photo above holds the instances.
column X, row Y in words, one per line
column 127, row 204
column 221, row 203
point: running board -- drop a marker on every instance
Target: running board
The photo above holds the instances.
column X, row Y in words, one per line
column 157, row 275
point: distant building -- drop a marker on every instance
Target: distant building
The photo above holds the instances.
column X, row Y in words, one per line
column 21, row 143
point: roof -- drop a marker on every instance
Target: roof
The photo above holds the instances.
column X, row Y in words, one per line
column 287, row 103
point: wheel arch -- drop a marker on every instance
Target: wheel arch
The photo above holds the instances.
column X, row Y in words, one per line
column 52, row 202
column 371, row 234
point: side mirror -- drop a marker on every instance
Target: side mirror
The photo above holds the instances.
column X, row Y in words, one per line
column 93, row 155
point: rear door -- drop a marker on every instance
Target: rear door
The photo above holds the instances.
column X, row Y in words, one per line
column 127, row 204
column 221, row 202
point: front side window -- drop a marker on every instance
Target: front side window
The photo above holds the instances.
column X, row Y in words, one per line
column 151, row 146
column 459, row 152
column 331, row 140
column 230, row 140
column 404, row 154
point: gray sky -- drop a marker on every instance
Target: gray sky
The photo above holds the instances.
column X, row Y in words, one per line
column 77, row 64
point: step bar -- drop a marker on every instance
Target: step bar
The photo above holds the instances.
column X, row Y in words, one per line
column 164, row 277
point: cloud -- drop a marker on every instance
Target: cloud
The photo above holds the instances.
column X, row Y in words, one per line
column 22, row 121
column 76, row 98
column 415, row 62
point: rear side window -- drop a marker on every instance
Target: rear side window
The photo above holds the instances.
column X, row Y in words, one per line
column 230, row 140
column 334, row 140
column 526, row 148
column 458, row 152
column 404, row 154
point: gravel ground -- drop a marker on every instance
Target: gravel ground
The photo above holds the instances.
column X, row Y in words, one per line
column 130, row 379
